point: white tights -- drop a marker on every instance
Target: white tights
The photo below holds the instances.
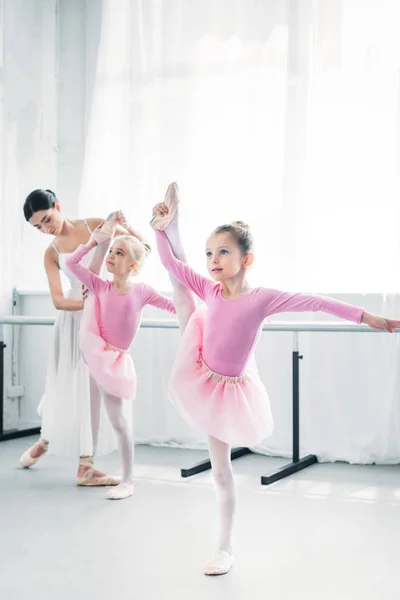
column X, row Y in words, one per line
column 220, row 456
column 95, row 408
column 114, row 408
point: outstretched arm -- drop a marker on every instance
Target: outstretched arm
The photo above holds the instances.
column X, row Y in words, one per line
column 92, row 281
column 151, row 296
column 276, row 301
column 185, row 275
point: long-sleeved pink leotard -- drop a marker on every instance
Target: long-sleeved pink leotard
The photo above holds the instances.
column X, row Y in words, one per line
column 119, row 313
column 231, row 326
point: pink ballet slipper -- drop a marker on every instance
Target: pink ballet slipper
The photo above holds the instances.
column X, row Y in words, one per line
column 107, row 229
column 172, row 201
column 90, row 479
column 27, row 459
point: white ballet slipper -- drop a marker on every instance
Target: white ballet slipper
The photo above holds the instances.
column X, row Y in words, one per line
column 219, row 564
column 172, row 201
column 27, row 460
column 123, row 490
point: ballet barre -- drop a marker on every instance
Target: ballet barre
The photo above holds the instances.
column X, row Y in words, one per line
column 289, row 326
column 295, row 327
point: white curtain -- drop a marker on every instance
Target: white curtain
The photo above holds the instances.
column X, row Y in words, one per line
column 28, row 153
column 28, row 124
column 284, row 114
column 278, row 112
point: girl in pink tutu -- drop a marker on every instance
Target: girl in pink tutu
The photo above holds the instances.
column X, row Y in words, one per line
column 214, row 382
column 108, row 332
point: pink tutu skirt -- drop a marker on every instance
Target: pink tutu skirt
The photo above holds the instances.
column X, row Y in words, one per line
column 112, row 368
column 235, row 410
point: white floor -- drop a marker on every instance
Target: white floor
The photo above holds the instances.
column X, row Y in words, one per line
column 331, row 532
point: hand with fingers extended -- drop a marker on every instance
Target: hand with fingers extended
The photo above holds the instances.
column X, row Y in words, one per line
column 380, row 323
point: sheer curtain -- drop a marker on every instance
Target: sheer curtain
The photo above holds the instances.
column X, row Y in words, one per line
column 280, row 113
column 284, row 114
column 28, row 156
column 28, row 125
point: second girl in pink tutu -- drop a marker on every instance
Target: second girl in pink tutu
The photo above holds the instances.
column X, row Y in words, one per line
column 108, row 333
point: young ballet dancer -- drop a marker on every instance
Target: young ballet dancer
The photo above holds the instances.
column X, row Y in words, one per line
column 214, row 382
column 106, row 337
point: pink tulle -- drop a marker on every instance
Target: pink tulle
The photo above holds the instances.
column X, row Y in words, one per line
column 111, row 368
column 235, row 410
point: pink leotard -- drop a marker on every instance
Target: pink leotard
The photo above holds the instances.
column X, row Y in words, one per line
column 119, row 314
column 231, row 327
